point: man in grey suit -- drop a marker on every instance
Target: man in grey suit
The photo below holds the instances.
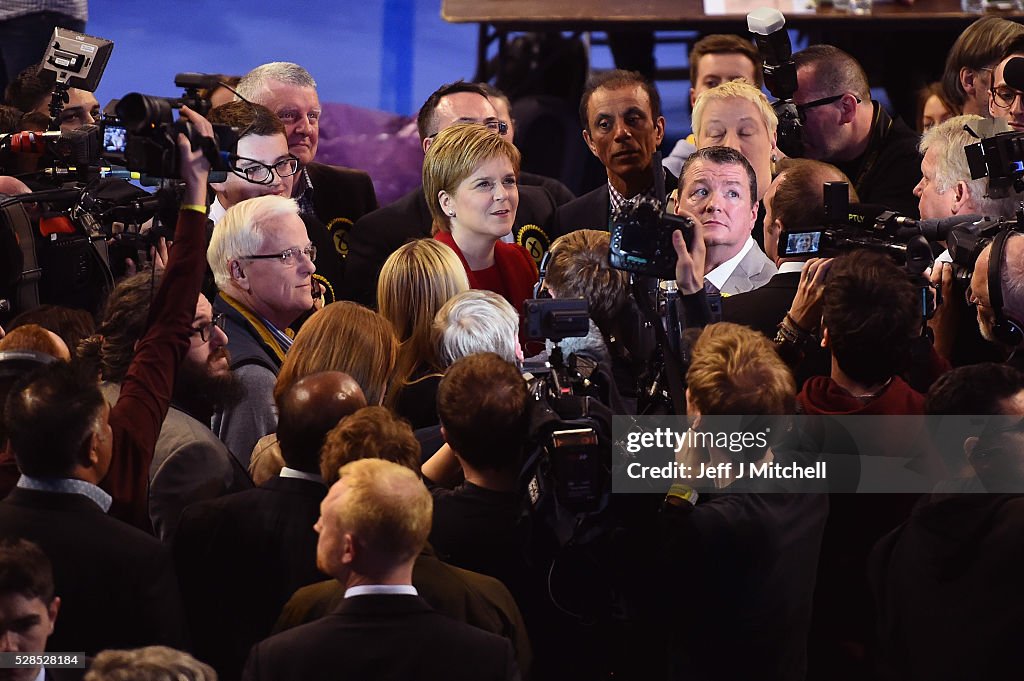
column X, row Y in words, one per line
column 718, row 186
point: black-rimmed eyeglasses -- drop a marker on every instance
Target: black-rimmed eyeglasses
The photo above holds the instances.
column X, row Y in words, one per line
column 822, row 102
column 258, row 172
column 206, row 330
column 286, row 256
column 1004, row 96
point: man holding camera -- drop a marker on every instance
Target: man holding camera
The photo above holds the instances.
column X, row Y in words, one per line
column 719, row 187
column 841, row 125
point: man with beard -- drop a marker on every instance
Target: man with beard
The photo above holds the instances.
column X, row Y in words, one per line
column 190, row 463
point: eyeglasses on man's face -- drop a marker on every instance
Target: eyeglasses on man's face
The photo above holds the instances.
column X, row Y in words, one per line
column 286, row 256
column 257, row 172
column 206, row 330
column 1004, row 96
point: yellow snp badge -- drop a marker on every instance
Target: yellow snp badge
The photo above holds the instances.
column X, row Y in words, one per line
column 338, row 229
column 535, row 240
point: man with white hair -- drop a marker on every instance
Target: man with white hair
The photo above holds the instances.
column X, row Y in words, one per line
column 262, row 262
column 946, row 188
column 337, row 196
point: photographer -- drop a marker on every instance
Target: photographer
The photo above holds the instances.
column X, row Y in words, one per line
column 997, row 291
column 579, row 268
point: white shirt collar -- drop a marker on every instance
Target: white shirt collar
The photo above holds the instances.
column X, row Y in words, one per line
column 217, row 210
column 788, row 267
column 301, row 475
column 41, row 676
column 378, row 589
column 721, row 274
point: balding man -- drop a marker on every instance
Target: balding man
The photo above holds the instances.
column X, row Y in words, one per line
column 373, row 523
column 842, row 126
column 997, row 290
column 230, row 604
column 337, row 196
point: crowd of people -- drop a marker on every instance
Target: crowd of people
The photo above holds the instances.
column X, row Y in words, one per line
column 295, row 445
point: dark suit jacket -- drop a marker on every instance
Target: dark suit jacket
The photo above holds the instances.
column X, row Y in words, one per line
column 116, row 584
column 763, row 308
column 384, row 638
column 591, row 211
column 559, row 192
column 470, row 597
column 379, row 234
column 239, row 558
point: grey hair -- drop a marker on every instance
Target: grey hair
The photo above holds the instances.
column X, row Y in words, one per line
column 948, row 139
column 476, row 321
column 241, row 232
column 1012, row 279
column 256, row 82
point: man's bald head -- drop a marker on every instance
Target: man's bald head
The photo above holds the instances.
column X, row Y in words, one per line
column 12, row 185
column 307, row 411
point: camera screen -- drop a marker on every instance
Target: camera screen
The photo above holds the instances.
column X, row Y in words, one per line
column 114, row 138
column 803, row 243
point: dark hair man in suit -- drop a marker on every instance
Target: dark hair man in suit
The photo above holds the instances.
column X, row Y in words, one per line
column 620, row 112
column 231, row 606
column 373, row 523
column 118, row 585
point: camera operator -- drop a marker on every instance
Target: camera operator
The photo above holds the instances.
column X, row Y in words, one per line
column 717, row 566
column 788, row 208
column 946, row 189
column 30, row 92
column 843, row 126
column 997, row 291
column 579, row 268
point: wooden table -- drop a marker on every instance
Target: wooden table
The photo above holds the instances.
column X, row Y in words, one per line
column 499, row 17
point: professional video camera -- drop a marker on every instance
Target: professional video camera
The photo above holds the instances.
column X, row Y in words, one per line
column 768, row 27
column 851, row 226
column 144, row 133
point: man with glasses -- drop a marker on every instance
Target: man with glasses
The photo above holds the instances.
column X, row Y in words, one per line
column 380, row 233
column 262, row 261
column 967, row 79
column 264, row 165
column 337, row 196
column 844, row 127
column 1006, row 101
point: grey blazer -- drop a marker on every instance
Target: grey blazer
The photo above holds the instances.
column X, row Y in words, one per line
column 753, row 271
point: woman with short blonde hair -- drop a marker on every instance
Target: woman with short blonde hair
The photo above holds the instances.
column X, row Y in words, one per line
column 470, row 183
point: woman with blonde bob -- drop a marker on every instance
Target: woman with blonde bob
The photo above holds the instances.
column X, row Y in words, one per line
column 738, row 115
column 415, row 282
column 470, row 183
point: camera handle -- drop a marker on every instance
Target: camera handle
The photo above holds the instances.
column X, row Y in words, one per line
column 672, row 365
column 58, row 98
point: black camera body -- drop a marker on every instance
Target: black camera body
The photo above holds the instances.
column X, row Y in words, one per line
column 641, row 238
column 151, row 133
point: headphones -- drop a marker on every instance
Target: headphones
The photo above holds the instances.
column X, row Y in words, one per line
column 1006, row 330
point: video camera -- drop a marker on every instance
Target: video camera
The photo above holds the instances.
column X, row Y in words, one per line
column 851, row 226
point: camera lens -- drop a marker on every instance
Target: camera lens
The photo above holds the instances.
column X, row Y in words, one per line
column 139, row 111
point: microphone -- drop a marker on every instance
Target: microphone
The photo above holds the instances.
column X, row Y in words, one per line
column 1013, row 73
column 938, row 229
